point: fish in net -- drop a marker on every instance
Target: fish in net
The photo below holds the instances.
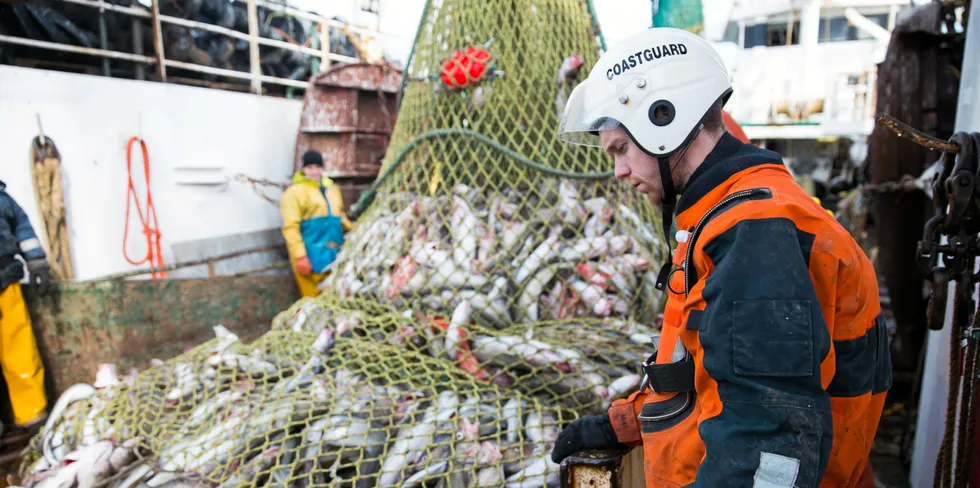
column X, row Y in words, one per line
column 499, row 283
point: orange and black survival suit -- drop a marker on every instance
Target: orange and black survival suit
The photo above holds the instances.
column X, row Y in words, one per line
column 783, row 358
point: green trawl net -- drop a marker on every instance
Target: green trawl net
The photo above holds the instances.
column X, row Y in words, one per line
column 498, row 284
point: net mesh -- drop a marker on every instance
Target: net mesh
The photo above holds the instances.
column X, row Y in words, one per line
column 499, row 285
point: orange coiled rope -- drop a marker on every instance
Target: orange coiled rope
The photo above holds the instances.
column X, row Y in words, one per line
column 151, row 229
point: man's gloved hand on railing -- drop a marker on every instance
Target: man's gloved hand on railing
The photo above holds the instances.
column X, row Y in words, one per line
column 592, row 432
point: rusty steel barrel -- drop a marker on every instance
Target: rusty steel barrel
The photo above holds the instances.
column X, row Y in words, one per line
column 348, row 115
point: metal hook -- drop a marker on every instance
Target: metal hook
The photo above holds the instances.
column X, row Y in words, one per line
column 40, row 129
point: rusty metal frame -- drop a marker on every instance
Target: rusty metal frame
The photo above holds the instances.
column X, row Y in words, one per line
column 348, row 116
column 620, row 467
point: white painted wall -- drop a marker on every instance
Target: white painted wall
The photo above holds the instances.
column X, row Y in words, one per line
column 90, row 120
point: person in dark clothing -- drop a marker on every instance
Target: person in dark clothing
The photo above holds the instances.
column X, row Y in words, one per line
column 22, row 368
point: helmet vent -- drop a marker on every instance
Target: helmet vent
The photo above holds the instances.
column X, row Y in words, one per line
column 661, row 113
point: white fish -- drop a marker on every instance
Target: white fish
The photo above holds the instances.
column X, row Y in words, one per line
column 429, row 254
column 448, row 274
column 106, row 377
column 487, row 244
column 324, row 341
column 569, row 206
column 504, row 209
column 511, row 232
column 619, row 244
column 619, row 304
column 222, row 332
column 430, row 470
column 73, row 394
column 460, row 318
column 163, row 479
column 186, row 383
column 92, row 461
column 415, row 438
column 540, row 428
column 632, row 261
column 624, row 385
column 63, row 477
column 135, row 476
column 634, row 220
column 586, row 248
column 466, row 228
column 123, row 455
column 539, row 473
column 248, row 472
column 596, row 205
column 225, row 338
column 511, row 414
column 347, row 431
column 535, row 352
column 591, row 294
column 130, row 378
column 598, row 383
column 642, row 338
column 245, row 364
column 603, row 307
column 569, row 355
column 595, row 226
column 533, row 291
column 541, row 255
column 490, row 476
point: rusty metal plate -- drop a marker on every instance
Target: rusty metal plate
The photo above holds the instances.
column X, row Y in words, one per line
column 348, row 115
column 329, row 109
column 79, row 325
column 608, row 468
column 346, row 155
column 335, row 109
column 361, row 76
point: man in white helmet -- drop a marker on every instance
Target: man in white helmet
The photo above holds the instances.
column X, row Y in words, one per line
column 775, row 360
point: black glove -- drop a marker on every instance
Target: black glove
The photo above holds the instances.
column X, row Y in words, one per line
column 592, row 432
column 40, row 272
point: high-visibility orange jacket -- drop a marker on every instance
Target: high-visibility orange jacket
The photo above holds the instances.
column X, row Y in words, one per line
column 789, row 360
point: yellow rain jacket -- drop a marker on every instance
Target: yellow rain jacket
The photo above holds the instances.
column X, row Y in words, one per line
column 303, row 201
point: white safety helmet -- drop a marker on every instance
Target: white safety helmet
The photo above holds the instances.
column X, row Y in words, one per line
column 657, row 84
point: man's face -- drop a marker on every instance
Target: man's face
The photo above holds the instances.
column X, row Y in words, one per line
column 632, row 164
column 313, row 172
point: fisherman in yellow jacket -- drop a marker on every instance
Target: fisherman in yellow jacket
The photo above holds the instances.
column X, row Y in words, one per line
column 314, row 223
column 22, row 368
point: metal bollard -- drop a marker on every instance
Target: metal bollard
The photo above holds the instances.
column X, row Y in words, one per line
column 608, row 468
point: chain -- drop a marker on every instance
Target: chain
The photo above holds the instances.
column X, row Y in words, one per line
column 257, row 185
column 907, row 183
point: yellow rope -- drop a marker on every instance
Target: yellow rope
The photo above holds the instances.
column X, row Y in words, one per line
column 46, row 172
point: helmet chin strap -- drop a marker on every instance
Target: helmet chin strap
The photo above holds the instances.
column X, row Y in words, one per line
column 667, row 211
column 668, row 202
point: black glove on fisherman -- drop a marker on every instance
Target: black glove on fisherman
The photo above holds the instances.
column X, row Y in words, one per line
column 40, row 272
column 592, row 432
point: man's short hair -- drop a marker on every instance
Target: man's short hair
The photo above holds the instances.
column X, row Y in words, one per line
column 713, row 121
column 312, row 158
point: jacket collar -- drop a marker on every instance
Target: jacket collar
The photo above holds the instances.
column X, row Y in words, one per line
column 710, row 182
column 300, row 179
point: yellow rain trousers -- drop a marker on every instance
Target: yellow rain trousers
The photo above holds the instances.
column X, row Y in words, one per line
column 303, row 201
column 21, row 361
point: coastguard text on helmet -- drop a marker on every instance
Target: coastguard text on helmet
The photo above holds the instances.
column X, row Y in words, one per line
column 633, row 60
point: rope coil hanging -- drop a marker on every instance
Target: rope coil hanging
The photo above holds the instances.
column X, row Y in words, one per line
column 151, row 227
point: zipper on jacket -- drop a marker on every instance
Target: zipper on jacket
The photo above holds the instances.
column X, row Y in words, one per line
column 751, row 194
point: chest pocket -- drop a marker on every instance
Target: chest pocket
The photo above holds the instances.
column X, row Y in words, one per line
column 323, row 237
